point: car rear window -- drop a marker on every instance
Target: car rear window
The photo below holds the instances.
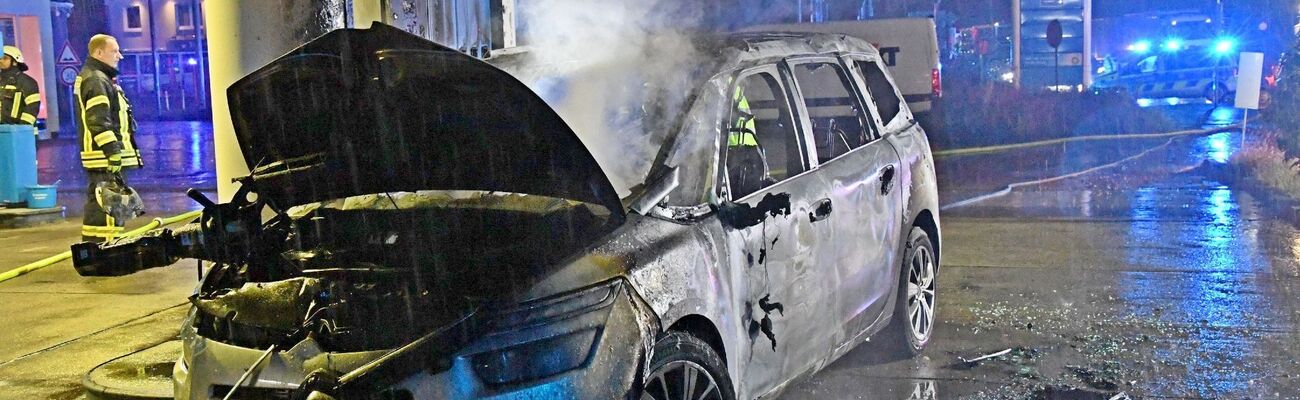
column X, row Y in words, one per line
column 838, row 122
column 882, row 93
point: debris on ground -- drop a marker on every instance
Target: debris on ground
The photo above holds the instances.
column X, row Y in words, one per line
column 984, row 357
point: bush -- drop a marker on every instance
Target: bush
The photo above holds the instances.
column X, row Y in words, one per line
column 1000, row 114
column 1283, row 112
column 1268, row 163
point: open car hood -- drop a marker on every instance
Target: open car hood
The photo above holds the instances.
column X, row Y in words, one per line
column 379, row 110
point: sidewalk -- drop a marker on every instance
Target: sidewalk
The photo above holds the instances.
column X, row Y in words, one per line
column 57, row 325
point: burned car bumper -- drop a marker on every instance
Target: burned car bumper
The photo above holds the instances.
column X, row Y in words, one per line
column 589, row 343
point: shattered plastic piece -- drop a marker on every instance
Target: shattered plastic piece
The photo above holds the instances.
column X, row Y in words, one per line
column 984, row 357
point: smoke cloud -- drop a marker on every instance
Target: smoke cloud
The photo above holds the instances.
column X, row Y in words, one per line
column 619, row 73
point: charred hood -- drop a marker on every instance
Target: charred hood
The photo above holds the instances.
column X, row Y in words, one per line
column 380, row 110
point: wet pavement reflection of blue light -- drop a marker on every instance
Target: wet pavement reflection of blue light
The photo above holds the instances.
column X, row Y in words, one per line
column 1214, row 248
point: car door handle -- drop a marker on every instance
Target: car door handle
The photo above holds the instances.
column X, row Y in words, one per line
column 886, row 179
column 821, row 210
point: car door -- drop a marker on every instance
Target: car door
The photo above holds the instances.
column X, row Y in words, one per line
column 769, row 232
column 860, row 174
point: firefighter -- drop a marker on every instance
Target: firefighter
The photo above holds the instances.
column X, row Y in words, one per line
column 742, row 132
column 106, row 126
column 20, row 97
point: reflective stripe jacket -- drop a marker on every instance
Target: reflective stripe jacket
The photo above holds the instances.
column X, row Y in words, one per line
column 20, row 98
column 104, row 117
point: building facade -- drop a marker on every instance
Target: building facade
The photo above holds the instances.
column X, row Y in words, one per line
column 164, row 70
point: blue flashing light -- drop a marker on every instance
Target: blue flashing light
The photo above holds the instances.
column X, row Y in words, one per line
column 1225, row 45
column 1145, row 102
column 1172, row 44
column 1140, row 47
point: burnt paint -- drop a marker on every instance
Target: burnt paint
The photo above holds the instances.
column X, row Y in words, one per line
column 764, row 324
column 741, row 215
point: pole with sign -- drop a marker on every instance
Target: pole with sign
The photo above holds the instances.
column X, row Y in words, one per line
column 1249, row 77
column 1054, row 35
column 67, row 65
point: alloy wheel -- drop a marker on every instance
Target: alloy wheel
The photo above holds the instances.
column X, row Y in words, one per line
column 681, row 380
column 920, row 293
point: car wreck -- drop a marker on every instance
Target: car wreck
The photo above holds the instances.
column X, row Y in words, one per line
column 418, row 223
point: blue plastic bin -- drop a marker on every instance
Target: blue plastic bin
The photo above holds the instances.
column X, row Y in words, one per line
column 17, row 161
column 42, row 196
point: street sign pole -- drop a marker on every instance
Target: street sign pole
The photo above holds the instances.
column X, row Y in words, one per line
column 1054, row 35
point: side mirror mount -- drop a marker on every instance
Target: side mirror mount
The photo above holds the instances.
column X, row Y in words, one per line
column 657, row 191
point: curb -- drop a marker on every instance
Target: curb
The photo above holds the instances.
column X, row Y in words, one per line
column 143, row 374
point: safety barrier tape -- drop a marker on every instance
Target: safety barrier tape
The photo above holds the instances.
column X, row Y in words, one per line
column 45, row 262
column 1012, row 187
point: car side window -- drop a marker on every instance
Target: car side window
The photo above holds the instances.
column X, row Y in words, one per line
column 763, row 145
column 882, row 92
column 839, row 122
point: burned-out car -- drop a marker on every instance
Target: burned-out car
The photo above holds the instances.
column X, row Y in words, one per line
column 421, row 224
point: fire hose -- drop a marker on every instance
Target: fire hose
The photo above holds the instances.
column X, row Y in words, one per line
column 156, row 223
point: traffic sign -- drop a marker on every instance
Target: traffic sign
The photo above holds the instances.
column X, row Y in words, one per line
column 1250, row 69
column 68, row 74
column 67, row 56
column 1054, row 33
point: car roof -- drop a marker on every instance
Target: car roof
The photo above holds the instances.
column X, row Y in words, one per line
column 748, row 47
column 732, row 50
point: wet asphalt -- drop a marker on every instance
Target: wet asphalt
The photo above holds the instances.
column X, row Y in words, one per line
column 1158, row 278
column 1155, row 279
column 177, row 155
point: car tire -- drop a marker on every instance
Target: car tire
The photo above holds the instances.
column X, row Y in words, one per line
column 685, row 367
column 1216, row 92
column 913, row 322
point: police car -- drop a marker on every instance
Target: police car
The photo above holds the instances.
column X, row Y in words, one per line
column 1175, row 68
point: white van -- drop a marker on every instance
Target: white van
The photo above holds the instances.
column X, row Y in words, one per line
column 910, row 47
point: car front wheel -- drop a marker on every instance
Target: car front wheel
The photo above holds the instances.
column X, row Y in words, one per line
column 686, row 368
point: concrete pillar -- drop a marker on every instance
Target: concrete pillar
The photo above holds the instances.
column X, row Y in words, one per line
column 245, row 35
column 58, row 109
column 1087, row 44
column 508, row 38
column 366, row 12
column 1015, row 42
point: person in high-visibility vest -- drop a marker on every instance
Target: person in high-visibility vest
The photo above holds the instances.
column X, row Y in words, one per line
column 742, row 132
column 20, row 96
column 106, row 125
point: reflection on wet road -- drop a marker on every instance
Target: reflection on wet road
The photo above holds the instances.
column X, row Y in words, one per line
column 177, row 155
column 1157, row 278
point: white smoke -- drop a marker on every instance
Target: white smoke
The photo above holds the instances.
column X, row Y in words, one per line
column 613, row 70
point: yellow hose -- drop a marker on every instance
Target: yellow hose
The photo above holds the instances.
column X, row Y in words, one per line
column 45, row 262
column 1005, row 147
